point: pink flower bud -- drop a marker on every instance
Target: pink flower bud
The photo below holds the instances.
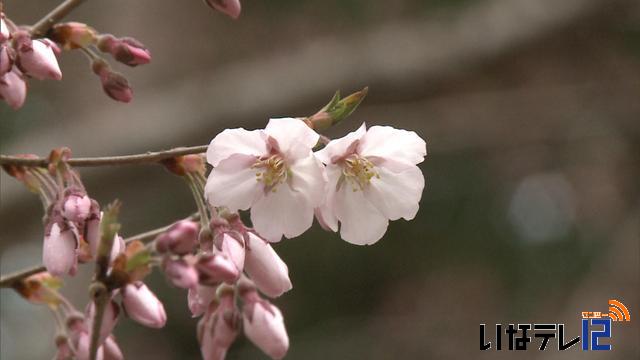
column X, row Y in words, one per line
column 266, row 269
column 125, row 50
column 82, row 348
column 36, row 57
column 229, row 7
column 179, row 239
column 13, row 89
column 111, row 349
column 264, row 326
column 6, row 61
column 143, row 306
column 216, row 268
column 59, row 253
column 109, row 319
column 114, row 84
column 4, row 30
column 199, row 298
column 217, row 330
column 76, row 206
column 117, row 87
column 233, row 248
column 181, row 273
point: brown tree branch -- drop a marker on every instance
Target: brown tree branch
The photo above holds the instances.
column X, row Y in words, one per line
column 149, row 157
column 43, row 25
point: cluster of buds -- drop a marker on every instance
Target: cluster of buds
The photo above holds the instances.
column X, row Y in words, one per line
column 22, row 58
column 129, row 51
column 72, row 219
column 74, row 328
column 213, row 264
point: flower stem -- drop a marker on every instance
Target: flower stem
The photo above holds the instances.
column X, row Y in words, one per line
column 198, row 196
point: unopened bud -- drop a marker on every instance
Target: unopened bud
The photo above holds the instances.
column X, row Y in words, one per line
column 13, row 89
column 4, row 30
column 265, row 267
column 179, row 239
column 73, row 35
column 109, row 319
column 6, row 59
column 59, row 253
column 187, row 164
column 181, row 273
column 218, row 329
column 263, row 324
column 76, row 206
column 126, row 50
column 114, row 84
column 336, row 110
column 37, row 58
column 229, row 7
column 143, row 306
column 216, row 268
column 199, row 299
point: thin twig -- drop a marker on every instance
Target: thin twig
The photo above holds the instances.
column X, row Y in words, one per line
column 43, row 25
column 8, row 280
column 149, row 157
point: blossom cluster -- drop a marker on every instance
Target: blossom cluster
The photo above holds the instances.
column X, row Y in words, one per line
column 284, row 175
column 360, row 181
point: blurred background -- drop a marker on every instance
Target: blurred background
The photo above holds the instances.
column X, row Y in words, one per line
column 531, row 213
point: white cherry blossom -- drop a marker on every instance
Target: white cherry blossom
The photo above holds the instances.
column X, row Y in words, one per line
column 272, row 171
column 373, row 178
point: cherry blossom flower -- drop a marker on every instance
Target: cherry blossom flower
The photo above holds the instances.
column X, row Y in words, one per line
column 272, row 171
column 373, row 178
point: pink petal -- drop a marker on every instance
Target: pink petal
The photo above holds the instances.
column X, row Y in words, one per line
column 325, row 213
column 338, row 148
column 282, row 212
column 233, row 183
column 295, row 139
column 399, row 146
column 236, row 141
column 360, row 222
column 396, row 195
column 307, row 177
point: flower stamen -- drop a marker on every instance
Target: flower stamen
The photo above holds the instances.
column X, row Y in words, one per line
column 272, row 171
column 358, row 171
